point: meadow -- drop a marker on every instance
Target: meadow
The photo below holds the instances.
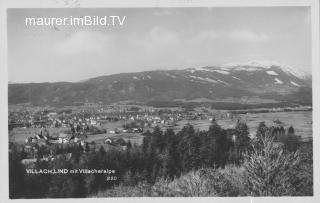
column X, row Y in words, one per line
column 301, row 120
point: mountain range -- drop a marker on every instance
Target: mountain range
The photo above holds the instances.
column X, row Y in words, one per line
column 254, row 82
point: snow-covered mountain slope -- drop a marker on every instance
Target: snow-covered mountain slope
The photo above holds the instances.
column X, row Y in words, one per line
column 265, row 80
column 256, row 65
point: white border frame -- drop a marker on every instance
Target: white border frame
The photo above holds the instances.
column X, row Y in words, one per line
column 313, row 4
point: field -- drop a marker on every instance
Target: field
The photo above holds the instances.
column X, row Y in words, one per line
column 134, row 138
column 301, row 121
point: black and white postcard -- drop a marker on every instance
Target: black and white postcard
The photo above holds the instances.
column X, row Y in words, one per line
column 187, row 99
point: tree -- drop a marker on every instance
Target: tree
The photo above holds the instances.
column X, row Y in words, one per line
column 76, row 152
column 186, row 147
column 220, row 142
column 261, row 131
column 242, row 139
column 16, row 175
column 87, row 148
column 268, row 168
column 37, row 185
column 291, row 141
column 67, row 186
column 173, row 165
column 158, row 140
column 260, row 134
column 146, row 144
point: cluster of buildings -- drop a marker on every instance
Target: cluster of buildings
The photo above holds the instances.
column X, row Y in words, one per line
column 95, row 117
column 44, row 137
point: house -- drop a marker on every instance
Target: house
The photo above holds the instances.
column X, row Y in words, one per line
column 28, row 161
column 28, row 148
column 137, row 130
column 82, row 143
column 62, row 136
column 28, row 140
column 108, row 141
column 65, row 138
column 119, row 142
column 52, row 114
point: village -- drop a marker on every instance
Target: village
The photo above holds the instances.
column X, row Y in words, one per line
column 91, row 114
column 92, row 126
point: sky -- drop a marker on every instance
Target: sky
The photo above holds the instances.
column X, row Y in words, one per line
column 153, row 39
